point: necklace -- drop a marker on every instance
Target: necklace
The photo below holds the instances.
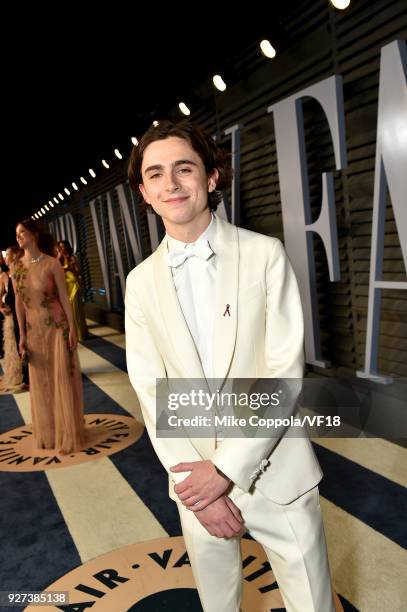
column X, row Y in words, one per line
column 37, row 259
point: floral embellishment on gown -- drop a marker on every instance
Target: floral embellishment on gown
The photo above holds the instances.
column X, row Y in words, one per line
column 19, row 275
column 58, row 318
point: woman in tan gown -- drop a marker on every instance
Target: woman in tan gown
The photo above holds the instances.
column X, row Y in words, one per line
column 48, row 340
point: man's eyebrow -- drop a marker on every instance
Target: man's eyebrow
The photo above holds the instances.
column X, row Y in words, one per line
column 179, row 162
column 156, row 167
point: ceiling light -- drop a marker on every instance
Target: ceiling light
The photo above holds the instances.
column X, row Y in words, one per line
column 219, row 82
column 340, row 4
column 267, row 49
column 184, row 108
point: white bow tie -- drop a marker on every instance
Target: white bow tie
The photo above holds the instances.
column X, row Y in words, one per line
column 199, row 249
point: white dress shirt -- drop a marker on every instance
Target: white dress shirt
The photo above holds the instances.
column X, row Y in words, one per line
column 194, row 282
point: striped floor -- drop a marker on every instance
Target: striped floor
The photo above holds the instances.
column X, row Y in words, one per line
column 52, row 521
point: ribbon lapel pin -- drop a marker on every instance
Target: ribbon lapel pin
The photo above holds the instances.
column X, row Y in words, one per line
column 227, row 311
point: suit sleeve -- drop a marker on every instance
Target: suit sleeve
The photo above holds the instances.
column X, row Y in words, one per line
column 284, row 359
column 145, row 365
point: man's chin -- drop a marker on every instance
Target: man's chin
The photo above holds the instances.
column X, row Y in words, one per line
column 180, row 216
column 183, row 216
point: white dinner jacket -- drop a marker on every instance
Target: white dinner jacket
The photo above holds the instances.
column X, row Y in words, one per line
column 262, row 338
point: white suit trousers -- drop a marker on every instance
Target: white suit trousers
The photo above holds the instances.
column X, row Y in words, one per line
column 293, row 539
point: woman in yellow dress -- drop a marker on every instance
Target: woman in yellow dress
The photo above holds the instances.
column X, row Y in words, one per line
column 73, row 277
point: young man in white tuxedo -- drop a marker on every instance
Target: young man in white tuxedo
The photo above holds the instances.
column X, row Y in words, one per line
column 217, row 301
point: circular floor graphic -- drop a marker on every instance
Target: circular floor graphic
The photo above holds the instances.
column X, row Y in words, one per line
column 156, row 576
column 106, row 434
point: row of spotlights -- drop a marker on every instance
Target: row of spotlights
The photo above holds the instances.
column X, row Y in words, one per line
column 82, row 179
column 268, row 51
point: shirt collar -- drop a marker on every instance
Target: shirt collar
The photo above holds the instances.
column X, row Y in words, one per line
column 208, row 234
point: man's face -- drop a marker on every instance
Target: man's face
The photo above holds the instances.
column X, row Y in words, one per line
column 175, row 182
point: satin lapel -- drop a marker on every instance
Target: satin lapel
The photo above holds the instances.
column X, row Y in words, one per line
column 227, row 282
column 177, row 329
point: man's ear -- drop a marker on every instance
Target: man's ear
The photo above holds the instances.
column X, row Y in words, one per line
column 212, row 180
column 143, row 192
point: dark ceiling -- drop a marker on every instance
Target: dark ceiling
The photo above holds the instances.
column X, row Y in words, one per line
column 76, row 87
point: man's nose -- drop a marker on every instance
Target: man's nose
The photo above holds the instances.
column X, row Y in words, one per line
column 171, row 183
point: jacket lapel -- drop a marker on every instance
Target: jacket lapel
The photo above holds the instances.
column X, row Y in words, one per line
column 227, row 283
column 181, row 340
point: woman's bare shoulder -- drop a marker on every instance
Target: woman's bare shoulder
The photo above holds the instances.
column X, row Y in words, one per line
column 52, row 262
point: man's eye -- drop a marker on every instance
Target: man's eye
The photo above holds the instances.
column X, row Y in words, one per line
column 184, row 170
column 157, row 174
